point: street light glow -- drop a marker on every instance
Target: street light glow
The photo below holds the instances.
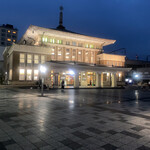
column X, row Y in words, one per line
column 42, row 69
column 71, row 72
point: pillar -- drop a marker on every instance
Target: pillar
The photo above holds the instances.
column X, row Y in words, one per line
column 97, row 79
column 114, row 80
column 102, row 83
column 76, row 80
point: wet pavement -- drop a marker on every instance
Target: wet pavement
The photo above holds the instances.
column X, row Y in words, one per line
column 85, row 119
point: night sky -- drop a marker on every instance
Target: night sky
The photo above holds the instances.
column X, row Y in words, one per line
column 127, row 21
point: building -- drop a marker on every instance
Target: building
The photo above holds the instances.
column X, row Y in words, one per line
column 77, row 59
column 140, row 70
column 8, row 35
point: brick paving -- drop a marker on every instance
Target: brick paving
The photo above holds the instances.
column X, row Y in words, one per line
column 94, row 119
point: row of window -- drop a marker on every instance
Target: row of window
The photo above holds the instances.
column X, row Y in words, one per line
column 30, row 74
column 54, row 41
column 29, row 58
column 8, row 35
column 8, row 31
column 72, row 55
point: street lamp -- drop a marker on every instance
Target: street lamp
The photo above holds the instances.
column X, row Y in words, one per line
column 43, row 71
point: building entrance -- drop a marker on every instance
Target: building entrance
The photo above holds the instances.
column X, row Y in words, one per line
column 91, row 78
column 68, row 78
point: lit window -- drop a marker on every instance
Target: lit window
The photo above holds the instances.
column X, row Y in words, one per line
column 9, row 40
column 44, row 39
column 53, row 51
column 29, row 58
column 10, row 74
column 87, row 56
column 36, row 73
column 86, row 45
column 42, row 59
column 91, row 46
column 52, row 41
column 14, row 40
column 8, row 31
column 79, row 55
column 29, row 74
column 73, row 55
column 22, row 58
column 36, row 59
column 21, row 74
column 67, row 53
column 14, row 32
column 59, row 41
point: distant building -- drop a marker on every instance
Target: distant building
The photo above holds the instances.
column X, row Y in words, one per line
column 8, row 35
column 140, row 70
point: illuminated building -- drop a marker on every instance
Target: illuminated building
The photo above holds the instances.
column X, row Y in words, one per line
column 77, row 59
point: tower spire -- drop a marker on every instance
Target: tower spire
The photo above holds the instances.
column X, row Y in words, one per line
column 61, row 27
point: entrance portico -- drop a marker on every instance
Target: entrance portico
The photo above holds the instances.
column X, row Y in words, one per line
column 80, row 75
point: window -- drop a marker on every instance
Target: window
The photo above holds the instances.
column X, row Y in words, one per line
column 22, row 58
column 21, row 74
column 52, row 41
column 42, row 59
column 74, row 43
column 14, row 37
column 67, row 54
column 29, row 58
column 2, row 43
column 14, row 40
column 9, row 40
column 2, row 39
column 86, row 45
column 80, row 44
column 8, row 35
column 67, row 43
column 36, row 73
column 36, row 59
column 53, row 53
column 91, row 46
column 59, row 53
column 87, row 56
column 59, row 41
column 3, row 30
column 8, row 31
column 3, row 34
column 29, row 74
column 79, row 55
column 14, row 32
column 44, row 39
column 73, row 55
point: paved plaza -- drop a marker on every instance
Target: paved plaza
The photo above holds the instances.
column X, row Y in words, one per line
column 85, row 119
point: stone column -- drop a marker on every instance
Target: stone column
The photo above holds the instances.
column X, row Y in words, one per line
column 102, row 84
column 56, row 55
column 97, row 80
column 114, row 80
column 76, row 80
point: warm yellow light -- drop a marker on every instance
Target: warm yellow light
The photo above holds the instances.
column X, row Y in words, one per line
column 9, row 40
column 14, row 32
column 29, row 71
column 14, row 40
column 107, row 74
column 119, row 74
column 22, row 71
column 36, row 72
column 8, row 31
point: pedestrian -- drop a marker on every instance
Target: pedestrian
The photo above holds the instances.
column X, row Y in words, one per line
column 62, row 84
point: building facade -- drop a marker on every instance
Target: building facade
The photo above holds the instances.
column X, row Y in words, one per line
column 77, row 59
column 8, row 35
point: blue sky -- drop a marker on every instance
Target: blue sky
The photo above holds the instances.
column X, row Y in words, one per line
column 127, row 21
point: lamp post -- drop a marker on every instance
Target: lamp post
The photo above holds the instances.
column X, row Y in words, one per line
column 43, row 71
